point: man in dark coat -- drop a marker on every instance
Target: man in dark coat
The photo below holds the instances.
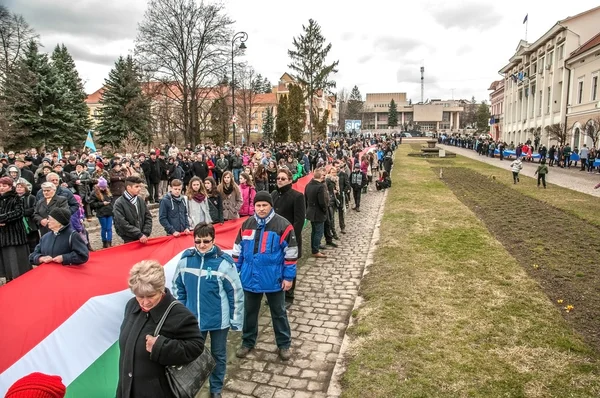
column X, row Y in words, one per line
column 316, row 210
column 152, row 173
column 344, row 183
column 290, row 204
column 64, row 246
column 25, row 172
column 133, row 220
column 200, row 168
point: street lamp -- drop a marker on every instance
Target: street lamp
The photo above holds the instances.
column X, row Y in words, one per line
column 242, row 37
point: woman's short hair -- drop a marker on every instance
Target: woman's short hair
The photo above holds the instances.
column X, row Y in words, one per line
column 147, row 278
column 48, row 185
column 204, row 229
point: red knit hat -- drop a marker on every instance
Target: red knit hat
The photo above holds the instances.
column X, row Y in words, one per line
column 37, row 385
column 100, row 164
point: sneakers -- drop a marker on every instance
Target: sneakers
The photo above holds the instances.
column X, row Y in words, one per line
column 343, row 231
column 285, row 354
column 242, row 352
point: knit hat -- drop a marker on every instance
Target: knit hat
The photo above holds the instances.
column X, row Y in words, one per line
column 100, row 164
column 102, row 183
column 63, row 216
column 263, row 196
column 48, row 160
column 37, row 385
column 6, row 181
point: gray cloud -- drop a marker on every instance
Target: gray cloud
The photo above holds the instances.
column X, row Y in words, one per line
column 466, row 15
column 82, row 54
column 364, row 58
column 400, row 45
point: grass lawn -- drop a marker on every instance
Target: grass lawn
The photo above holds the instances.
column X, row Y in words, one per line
column 449, row 313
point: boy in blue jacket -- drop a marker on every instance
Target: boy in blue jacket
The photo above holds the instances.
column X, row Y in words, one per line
column 207, row 282
column 173, row 212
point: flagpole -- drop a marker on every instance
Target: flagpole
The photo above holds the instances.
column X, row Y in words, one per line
column 526, row 26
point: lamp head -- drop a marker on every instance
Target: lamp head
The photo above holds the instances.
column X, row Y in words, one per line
column 242, row 46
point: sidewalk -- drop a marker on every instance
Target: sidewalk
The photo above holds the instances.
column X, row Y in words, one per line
column 325, row 294
column 572, row 178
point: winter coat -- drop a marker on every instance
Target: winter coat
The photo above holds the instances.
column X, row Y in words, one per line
column 215, row 206
column 358, row 179
column 12, row 233
column 261, row 185
column 344, row 181
column 290, row 204
column 117, row 182
column 210, row 287
column 231, row 205
column 43, row 209
column 72, row 204
column 248, row 193
column 83, row 188
column 236, row 162
column 131, row 222
column 28, row 210
column 387, row 164
column 200, row 170
column 198, row 212
column 152, row 171
column 272, row 180
column 173, row 214
column 222, row 166
column 265, row 253
column 100, row 208
column 66, row 243
column 316, row 202
column 142, row 374
column 516, row 166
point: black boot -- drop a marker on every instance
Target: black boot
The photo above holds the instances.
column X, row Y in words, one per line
column 109, row 243
column 104, row 244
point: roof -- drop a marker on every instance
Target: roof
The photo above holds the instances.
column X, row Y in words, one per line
column 268, row 98
column 494, row 85
column 591, row 43
column 580, row 14
column 94, row 97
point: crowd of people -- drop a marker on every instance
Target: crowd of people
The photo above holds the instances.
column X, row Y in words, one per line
column 219, row 292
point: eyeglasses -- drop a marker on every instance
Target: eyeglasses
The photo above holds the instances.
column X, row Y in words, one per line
column 281, row 178
column 203, row 241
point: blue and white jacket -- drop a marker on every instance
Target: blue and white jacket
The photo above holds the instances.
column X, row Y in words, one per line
column 265, row 252
column 209, row 285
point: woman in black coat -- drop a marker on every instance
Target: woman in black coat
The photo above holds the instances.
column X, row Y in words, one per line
column 143, row 357
column 44, row 206
column 23, row 188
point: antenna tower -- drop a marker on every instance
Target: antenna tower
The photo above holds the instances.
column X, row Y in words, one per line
column 422, row 83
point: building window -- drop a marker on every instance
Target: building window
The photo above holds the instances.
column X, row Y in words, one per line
column 579, row 91
column 550, row 57
column 595, row 87
column 561, row 52
column 541, row 62
column 540, row 104
column 549, row 101
column 534, row 69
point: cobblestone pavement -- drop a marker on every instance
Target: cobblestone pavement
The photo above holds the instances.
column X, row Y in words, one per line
column 325, row 294
column 570, row 178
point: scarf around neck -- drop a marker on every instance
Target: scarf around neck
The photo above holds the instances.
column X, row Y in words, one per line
column 198, row 197
column 227, row 190
column 262, row 222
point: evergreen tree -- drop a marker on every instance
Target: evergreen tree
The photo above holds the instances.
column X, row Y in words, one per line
column 125, row 111
column 267, row 86
column 482, row 117
column 73, row 97
column 33, row 103
column 393, row 114
column 281, row 123
column 268, row 125
column 355, row 105
column 219, row 121
column 321, row 124
column 257, row 84
column 296, row 113
column 308, row 62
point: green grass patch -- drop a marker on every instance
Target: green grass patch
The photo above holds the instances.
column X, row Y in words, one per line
column 448, row 312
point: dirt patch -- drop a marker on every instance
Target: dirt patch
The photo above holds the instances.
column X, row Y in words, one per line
column 557, row 249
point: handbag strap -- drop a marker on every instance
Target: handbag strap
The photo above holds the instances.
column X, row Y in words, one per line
column 164, row 317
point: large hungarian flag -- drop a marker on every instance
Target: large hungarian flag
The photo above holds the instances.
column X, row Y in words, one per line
column 65, row 320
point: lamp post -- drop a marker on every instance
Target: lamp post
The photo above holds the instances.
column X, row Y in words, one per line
column 242, row 37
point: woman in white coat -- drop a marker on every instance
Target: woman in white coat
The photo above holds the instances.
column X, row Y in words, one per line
column 198, row 210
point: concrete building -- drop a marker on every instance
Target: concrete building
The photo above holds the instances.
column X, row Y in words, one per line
column 496, row 108
column 536, row 80
column 583, row 108
column 437, row 115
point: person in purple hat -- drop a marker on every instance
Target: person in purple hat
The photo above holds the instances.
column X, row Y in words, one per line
column 102, row 202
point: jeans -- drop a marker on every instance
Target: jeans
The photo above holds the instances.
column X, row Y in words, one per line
column 106, row 228
column 316, row 234
column 153, row 192
column 163, row 188
column 583, row 163
column 356, row 192
column 218, row 349
column 342, row 216
column 515, row 176
column 236, row 175
column 281, row 326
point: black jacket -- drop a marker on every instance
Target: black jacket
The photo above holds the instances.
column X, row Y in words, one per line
column 200, row 169
column 11, row 214
column 42, row 210
column 130, row 223
column 98, row 205
column 344, row 181
column 142, row 374
column 152, row 171
column 316, row 202
column 290, row 204
column 66, row 242
column 215, row 208
column 28, row 210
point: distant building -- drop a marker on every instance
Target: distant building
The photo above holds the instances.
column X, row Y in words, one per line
column 536, row 82
column 437, row 115
column 496, row 108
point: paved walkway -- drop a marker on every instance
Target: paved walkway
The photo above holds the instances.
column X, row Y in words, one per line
column 572, row 178
column 325, row 294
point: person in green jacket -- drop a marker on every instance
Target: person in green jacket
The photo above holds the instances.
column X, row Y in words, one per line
column 541, row 172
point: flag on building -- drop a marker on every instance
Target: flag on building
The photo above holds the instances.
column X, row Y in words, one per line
column 526, row 16
column 89, row 142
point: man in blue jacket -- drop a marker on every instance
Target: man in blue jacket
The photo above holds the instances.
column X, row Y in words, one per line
column 207, row 282
column 173, row 213
column 265, row 252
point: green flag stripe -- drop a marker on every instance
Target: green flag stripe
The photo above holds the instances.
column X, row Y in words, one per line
column 100, row 379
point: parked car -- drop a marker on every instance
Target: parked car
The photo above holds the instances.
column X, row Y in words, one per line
column 407, row 135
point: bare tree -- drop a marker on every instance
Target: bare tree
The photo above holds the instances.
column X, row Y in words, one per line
column 592, row 130
column 246, row 96
column 15, row 35
column 186, row 45
column 557, row 132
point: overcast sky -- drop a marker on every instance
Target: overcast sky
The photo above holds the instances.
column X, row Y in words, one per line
column 380, row 45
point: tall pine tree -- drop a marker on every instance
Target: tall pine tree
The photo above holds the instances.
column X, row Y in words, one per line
column 296, row 113
column 219, row 121
column 73, row 98
column 125, row 110
column 393, row 114
column 281, row 122
column 355, row 105
column 268, row 125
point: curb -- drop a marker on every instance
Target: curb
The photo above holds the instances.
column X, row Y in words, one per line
column 335, row 387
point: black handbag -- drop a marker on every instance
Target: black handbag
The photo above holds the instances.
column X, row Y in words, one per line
column 186, row 380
